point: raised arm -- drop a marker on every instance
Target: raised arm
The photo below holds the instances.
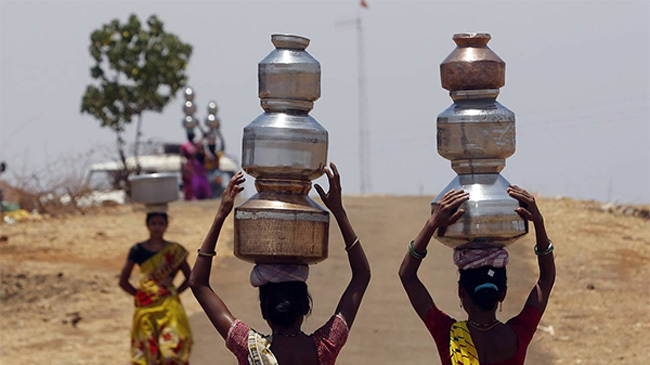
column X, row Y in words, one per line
column 353, row 294
column 446, row 214
column 539, row 295
column 214, row 307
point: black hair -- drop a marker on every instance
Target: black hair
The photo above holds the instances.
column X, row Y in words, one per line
column 152, row 215
column 283, row 303
column 484, row 279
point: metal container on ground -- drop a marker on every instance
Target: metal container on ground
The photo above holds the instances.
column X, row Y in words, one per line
column 284, row 149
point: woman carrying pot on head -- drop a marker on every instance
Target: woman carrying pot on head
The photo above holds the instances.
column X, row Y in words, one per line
column 161, row 332
column 284, row 299
column 482, row 339
column 188, row 151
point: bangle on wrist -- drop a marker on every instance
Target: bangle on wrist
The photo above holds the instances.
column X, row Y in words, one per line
column 416, row 254
column 545, row 252
column 356, row 240
column 206, row 254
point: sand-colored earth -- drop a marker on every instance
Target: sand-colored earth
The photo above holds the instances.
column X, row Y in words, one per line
column 60, row 303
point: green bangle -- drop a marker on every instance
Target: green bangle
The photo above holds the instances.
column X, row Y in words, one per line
column 548, row 250
column 416, row 254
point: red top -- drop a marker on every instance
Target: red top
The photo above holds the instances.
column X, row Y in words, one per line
column 524, row 325
column 328, row 340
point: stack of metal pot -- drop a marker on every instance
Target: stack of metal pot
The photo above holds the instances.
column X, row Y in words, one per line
column 477, row 134
column 284, row 149
column 213, row 123
column 189, row 108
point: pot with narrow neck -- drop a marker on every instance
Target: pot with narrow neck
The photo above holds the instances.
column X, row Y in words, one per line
column 476, row 133
column 284, row 149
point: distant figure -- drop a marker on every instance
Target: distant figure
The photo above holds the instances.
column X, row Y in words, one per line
column 161, row 331
column 284, row 298
column 188, row 150
column 217, row 183
column 482, row 285
column 212, row 163
column 214, row 174
column 200, row 182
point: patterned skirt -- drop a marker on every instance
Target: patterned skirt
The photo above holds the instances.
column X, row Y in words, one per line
column 161, row 333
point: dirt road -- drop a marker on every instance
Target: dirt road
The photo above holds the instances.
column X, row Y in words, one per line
column 387, row 330
column 60, row 303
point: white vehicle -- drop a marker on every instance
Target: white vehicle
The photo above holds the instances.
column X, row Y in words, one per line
column 103, row 178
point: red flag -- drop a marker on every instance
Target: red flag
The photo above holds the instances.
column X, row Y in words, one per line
column 364, row 4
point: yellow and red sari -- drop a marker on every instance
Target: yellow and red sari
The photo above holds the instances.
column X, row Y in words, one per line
column 161, row 332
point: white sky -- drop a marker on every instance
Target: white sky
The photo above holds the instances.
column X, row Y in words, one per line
column 577, row 77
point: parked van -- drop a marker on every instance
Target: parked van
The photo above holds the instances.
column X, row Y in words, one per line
column 102, row 179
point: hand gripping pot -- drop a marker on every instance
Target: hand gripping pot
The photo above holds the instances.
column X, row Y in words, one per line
column 284, row 149
column 477, row 134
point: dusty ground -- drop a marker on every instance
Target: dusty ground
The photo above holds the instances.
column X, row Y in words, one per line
column 60, row 303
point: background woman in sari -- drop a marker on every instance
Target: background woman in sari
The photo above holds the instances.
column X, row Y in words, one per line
column 161, row 332
column 284, row 299
column 482, row 339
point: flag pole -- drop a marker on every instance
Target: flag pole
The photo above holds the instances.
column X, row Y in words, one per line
column 364, row 145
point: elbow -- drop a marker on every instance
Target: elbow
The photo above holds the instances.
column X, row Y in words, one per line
column 362, row 276
column 406, row 276
column 403, row 273
column 194, row 289
column 403, row 277
column 366, row 276
column 194, row 282
column 546, row 282
column 126, row 286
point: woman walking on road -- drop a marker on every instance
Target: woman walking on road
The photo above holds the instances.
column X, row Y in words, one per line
column 284, row 299
column 482, row 338
column 161, row 332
